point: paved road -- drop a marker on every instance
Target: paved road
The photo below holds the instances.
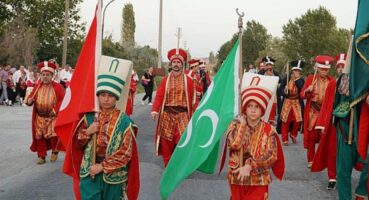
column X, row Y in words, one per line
column 21, row 178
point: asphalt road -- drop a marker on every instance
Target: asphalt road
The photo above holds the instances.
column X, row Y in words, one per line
column 21, row 178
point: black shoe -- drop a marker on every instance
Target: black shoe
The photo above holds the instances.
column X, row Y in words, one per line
column 331, row 185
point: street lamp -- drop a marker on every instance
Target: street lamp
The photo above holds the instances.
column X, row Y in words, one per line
column 102, row 26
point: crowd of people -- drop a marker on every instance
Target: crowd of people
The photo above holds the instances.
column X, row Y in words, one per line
column 18, row 82
column 313, row 106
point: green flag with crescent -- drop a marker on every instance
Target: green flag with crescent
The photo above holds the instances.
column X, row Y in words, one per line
column 198, row 146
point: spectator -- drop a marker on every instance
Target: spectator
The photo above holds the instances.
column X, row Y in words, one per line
column 21, row 86
column 147, row 82
column 10, row 86
column 252, row 69
column 3, row 79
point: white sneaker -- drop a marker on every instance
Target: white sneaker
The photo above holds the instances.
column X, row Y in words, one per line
column 150, row 104
column 142, row 102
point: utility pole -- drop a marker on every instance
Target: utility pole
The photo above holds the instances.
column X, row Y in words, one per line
column 160, row 32
column 178, row 35
column 65, row 40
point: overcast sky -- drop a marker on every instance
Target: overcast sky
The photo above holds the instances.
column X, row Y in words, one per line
column 207, row 24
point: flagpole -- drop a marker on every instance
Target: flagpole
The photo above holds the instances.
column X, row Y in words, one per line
column 98, row 52
column 240, row 70
column 240, row 30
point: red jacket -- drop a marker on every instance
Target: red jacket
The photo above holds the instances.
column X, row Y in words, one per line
column 160, row 98
column 325, row 115
column 59, row 92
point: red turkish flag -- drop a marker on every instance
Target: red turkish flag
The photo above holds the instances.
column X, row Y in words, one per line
column 80, row 98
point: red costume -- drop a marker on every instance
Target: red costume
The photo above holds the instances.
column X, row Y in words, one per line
column 256, row 147
column 291, row 113
column 131, row 97
column 199, row 87
column 47, row 101
column 174, row 103
column 318, row 115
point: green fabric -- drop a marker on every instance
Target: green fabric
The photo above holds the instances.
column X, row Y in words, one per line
column 359, row 81
column 119, row 175
column 342, row 110
column 97, row 189
column 110, row 82
column 199, row 144
column 347, row 154
column 110, row 76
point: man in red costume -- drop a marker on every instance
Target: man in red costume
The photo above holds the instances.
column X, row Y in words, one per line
column 292, row 106
column 319, row 92
column 325, row 157
column 46, row 97
column 173, row 105
column 131, row 94
column 195, row 76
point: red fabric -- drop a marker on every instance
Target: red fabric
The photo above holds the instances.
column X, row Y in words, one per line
column 131, row 97
column 285, row 129
column 324, row 118
column 82, row 100
column 363, row 133
column 45, row 144
column 326, row 153
column 273, row 112
column 167, row 147
column 241, row 192
column 278, row 167
column 159, row 104
column 306, row 96
column 325, row 115
column 325, row 156
column 133, row 182
column 172, row 54
column 59, row 92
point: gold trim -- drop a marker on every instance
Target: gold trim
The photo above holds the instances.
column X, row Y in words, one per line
column 358, row 40
column 359, row 99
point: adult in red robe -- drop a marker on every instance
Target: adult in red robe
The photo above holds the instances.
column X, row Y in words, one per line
column 193, row 73
column 46, row 97
column 131, row 94
column 319, row 92
column 173, row 106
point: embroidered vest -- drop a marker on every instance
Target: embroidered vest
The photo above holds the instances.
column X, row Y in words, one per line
column 121, row 125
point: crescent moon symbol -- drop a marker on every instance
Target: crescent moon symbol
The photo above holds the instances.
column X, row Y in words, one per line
column 66, row 100
column 214, row 121
column 188, row 136
column 208, row 93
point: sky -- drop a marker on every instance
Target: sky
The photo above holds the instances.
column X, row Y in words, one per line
column 207, row 24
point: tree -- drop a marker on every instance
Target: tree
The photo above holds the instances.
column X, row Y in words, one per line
column 128, row 26
column 19, row 42
column 212, row 59
column 47, row 18
column 312, row 34
column 274, row 49
column 254, row 40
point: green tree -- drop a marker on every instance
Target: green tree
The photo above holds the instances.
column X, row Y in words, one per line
column 212, row 59
column 274, row 49
column 19, row 43
column 128, row 26
column 47, row 18
column 255, row 39
column 312, row 34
